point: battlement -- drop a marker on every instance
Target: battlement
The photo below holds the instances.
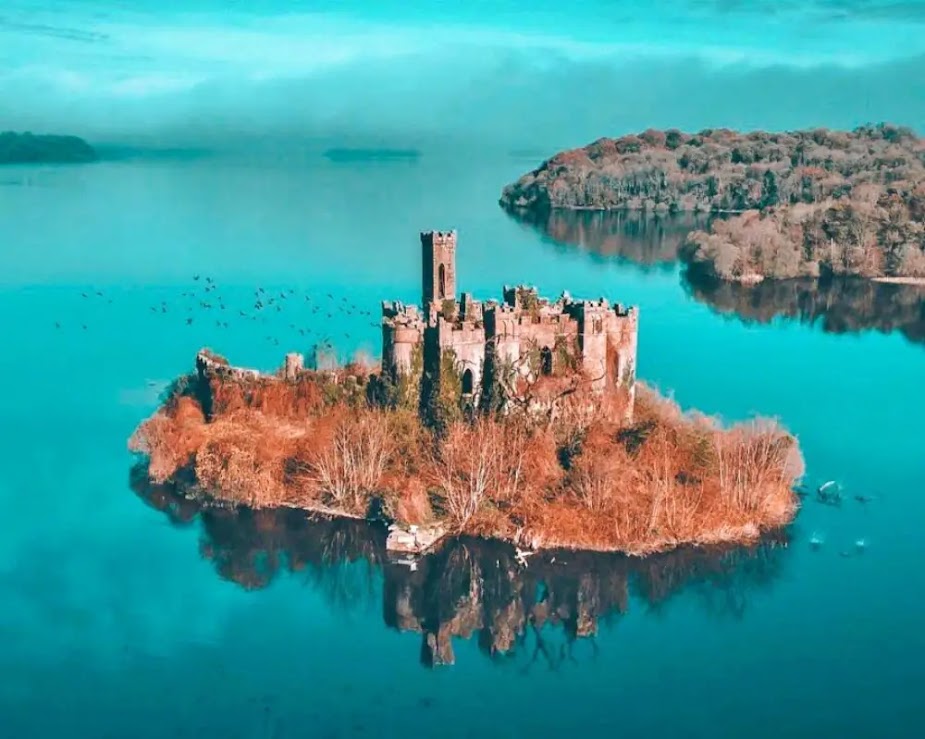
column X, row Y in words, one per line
column 209, row 364
column 502, row 308
column 438, row 273
column 439, row 238
column 469, row 308
column 600, row 336
column 629, row 311
column 396, row 313
column 454, row 331
column 522, row 296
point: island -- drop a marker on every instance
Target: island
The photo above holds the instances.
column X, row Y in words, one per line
column 519, row 420
column 786, row 205
column 346, row 155
column 28, row 148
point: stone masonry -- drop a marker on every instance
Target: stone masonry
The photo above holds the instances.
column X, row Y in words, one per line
column 593, row 335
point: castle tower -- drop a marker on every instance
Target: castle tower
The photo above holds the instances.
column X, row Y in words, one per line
column 402, row 338
column 592, row 340
column 438, row 252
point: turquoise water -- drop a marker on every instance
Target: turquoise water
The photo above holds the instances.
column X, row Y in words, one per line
column 115, row 623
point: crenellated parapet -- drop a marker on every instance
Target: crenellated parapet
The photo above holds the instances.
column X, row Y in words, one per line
column 533, row 334
column 402, row 336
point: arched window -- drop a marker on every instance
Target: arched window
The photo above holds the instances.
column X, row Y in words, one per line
column 441, row 282
column 546, row 360
column 467, row 382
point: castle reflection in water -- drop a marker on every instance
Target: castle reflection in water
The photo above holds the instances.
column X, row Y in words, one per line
column 468, row 588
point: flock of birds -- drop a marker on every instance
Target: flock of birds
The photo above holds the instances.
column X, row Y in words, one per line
column 830, row 493
column 204, row 304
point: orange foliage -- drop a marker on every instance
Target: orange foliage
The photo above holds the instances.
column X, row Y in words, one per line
column 581, row 477
column 296, row 399
column 171, row 437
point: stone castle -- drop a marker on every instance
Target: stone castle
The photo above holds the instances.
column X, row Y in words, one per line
column 524, row 333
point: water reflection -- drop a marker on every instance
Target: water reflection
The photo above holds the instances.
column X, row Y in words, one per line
column 539, row 614
column 837, row 305
column 645, row 240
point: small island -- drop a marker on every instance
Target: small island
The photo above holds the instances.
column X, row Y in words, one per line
column 787, row 205
column 519, row 420
column 28, row 148
column 346, row 155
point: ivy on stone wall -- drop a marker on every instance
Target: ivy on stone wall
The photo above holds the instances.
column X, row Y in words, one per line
column 441, row 396
column 402, row 392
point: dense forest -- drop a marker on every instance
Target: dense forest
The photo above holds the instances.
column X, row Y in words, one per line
column 28, row 148
column 806, row 202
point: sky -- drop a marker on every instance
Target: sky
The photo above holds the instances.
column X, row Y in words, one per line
column 500, row 72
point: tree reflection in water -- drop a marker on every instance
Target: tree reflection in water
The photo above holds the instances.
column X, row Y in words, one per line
column 531, row 615
column 645, row 240
column 836, row 305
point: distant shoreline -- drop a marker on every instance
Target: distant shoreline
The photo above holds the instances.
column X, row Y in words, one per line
column 29, row 148
column 345, row 154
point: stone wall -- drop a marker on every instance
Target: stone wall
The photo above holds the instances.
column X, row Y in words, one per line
column 402, row 335
column 466, row 340
column 599, row 337
column 438, row 258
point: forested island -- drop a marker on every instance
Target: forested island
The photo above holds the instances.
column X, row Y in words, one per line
column 519, row 420
column 29, row 148
column 572, row 471
column 795, row 204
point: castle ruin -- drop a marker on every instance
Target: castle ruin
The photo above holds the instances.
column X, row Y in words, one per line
column 523, row 334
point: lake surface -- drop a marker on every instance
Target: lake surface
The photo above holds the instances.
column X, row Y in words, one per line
column 126, row 614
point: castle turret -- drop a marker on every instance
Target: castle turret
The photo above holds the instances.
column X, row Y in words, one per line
column 438, row 252
column 592, row 317
column 402, row 338
column 483, row 342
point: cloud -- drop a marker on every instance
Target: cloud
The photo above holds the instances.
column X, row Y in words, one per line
column 203, row 77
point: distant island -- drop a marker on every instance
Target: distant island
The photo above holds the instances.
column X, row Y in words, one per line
column 519, row 420
column 29, row 148
column 372, row 155
column 795, row 204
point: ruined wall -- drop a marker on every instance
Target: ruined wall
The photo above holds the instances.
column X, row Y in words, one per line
column 622, row 344
column 402, row 337
column 467, row 341
column 525, row 331
column 591, row 316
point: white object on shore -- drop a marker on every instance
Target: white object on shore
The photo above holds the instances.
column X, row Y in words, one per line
column 521, row 556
